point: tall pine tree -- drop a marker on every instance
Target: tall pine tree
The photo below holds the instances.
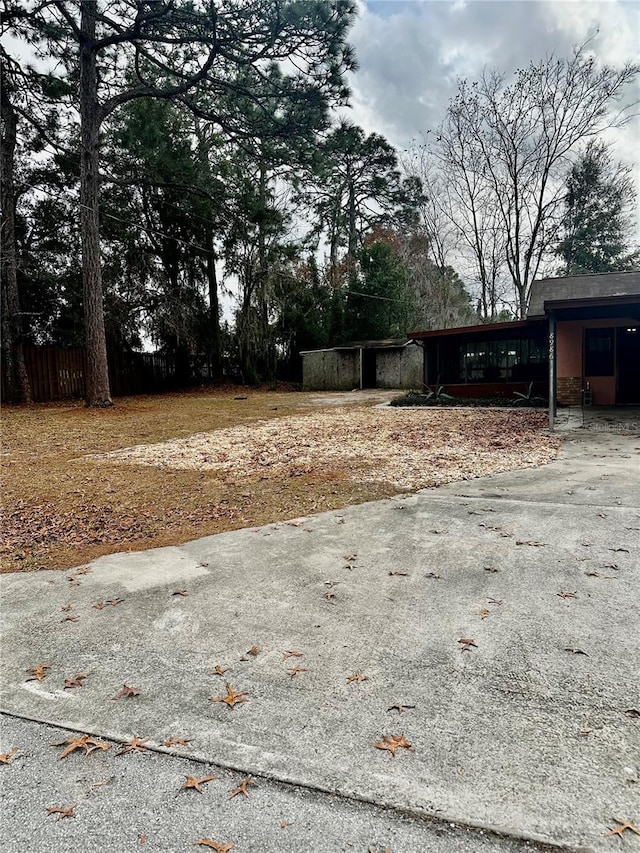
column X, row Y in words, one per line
column 597, row 221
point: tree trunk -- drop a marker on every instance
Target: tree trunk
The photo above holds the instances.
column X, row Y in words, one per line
column 18, row 386
column 353, row 234
column 97, row 380
column 214, row 305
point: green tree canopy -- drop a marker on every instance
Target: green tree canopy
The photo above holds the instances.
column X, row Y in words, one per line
column 598, row 219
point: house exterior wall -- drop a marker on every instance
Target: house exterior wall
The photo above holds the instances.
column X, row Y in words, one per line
column 399, row 368
column 331, row 370
column 571, row 379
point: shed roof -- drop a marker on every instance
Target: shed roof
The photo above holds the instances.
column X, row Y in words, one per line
column 586, row 289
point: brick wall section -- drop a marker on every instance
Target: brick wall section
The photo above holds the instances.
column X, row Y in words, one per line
column 569, row 390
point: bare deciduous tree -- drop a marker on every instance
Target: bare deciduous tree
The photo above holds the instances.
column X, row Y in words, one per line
column 505, row 147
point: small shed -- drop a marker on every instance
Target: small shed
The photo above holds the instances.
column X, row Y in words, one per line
column 393, row 363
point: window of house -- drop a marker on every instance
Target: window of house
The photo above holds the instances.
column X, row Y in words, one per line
column 598, row 352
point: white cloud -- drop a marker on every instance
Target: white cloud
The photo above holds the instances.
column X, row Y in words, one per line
column 412, row 53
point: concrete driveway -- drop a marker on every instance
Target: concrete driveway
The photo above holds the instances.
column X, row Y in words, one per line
column 524, row 735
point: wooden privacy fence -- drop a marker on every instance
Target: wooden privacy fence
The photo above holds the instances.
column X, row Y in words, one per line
column 58, row 373
column 55, row 372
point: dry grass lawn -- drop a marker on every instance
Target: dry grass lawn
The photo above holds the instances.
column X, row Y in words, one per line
column 159, row 470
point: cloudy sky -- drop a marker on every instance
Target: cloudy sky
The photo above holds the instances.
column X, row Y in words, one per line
column 411, row 53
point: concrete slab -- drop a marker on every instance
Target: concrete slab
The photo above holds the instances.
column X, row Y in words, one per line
column 123, row 802
column 533, row 732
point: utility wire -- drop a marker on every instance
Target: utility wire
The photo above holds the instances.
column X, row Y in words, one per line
column 183, row 242
column 125, row 221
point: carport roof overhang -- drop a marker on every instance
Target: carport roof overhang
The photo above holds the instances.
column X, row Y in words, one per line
column 485, row 330
column 610, row 308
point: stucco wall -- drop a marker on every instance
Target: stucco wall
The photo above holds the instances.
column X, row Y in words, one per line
column 569, row 340
column 399, row 368
column 331, row 370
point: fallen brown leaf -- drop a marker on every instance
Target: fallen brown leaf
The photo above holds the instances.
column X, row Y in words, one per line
column 62, row 813
column 399, row 708
column 126, row 692
column 467, row 644
column 136, row 744
column 115, row 601
column 182, row 592
column 232, row 698
column 356, row 676
column 575, row 651
column 623, row 825
column 66, row 608
column 291, row 654
column 632, row 712
column 242, row 788
column 219, row 670
column 76, row 680
column 218, row 846
column 86, row 742
column 294, row 670
column 70, row 618
column 484, row 613
column 176, row 741
column 392, row 742
column 495, row 601
column 194, row 784
column 38, row 672
column 284, row 824
column 99, row 605
column 6, row 756
column 399, row 574
column 566, row 594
